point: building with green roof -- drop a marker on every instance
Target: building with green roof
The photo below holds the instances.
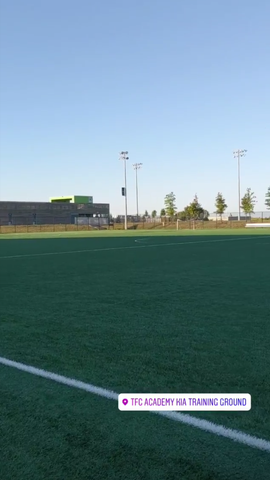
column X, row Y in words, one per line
column 73, row 209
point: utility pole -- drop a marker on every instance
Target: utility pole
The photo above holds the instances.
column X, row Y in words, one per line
column 136, row 167
column 238, row 154
column 124, row 157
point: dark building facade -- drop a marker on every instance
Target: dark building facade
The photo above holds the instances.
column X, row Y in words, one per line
column 46, row 213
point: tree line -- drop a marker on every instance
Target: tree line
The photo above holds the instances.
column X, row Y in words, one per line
column 195, row 211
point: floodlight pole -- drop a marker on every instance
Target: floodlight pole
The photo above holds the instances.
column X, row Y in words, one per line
column 124, row 157
column 136, row 167
column 238, row 154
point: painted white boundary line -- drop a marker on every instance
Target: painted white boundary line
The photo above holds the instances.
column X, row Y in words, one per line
column 128, row 247
column 204, row 425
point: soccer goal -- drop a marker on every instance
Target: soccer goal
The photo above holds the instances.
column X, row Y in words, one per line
column 178, row 222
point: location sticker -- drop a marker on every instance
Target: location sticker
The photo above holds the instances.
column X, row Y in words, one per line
column 230, row 402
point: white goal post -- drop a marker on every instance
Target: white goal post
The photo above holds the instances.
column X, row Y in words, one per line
column 178, row 221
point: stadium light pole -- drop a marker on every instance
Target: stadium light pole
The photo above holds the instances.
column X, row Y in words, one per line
column 136, row 167
column 238, row 154
column 124, row 157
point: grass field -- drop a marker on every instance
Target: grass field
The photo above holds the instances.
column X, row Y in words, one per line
column 174, row 312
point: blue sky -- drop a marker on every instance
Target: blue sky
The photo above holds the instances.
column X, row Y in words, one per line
column 179, row 84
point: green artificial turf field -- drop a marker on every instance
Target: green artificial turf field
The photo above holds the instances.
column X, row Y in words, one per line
column 172, row 313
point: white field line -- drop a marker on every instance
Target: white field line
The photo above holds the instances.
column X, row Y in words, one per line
column 68, row 252
column 204, row 425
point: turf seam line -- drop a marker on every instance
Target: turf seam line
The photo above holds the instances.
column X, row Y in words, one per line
column 205, row 425
column 127, row 247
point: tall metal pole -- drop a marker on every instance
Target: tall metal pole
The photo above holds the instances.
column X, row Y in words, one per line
column 239, row 189
column 137, row 200
column 124, row 157
column 136, row 166
column 125, row 164
column 238, row 154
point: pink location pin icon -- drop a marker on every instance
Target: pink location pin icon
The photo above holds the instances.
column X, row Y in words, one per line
column 125, row 401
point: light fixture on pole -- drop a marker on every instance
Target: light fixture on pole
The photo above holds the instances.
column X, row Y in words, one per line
column 238, row 154
column 124, row 157
column 136, row 167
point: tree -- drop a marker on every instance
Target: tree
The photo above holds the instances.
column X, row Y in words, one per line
column 267, row 199
column 154, row 214
column 195, row 208
column 248, row 202
column 206, row 215
column 182, row 215
column 146, row 214
column 194, row 211
column 220, row 205
column 170, row 206
column 162, row 212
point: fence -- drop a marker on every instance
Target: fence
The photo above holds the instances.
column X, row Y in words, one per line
column 91, row 221
column 190, row 225
column 62, row 224
column 261, row 216
column 27, row 220
column 255, row 216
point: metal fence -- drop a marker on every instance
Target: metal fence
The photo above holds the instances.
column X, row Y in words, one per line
column 231, row 216
column 227, row 216
column 66, row 223
column 91, row 221
column 28, row 220
column 120, row 219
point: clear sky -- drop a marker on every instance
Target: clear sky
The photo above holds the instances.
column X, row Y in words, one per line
column 179, row 84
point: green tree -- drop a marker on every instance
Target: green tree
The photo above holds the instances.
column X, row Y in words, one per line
column 188, row 212
column 205, row 215
column 146, row 214
column 162, row 212
column 170, row 206
column 182, row 215
column 220, row 205
column 267, row 199
column 154, row 214
column 248, row 202
column 194, row 209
